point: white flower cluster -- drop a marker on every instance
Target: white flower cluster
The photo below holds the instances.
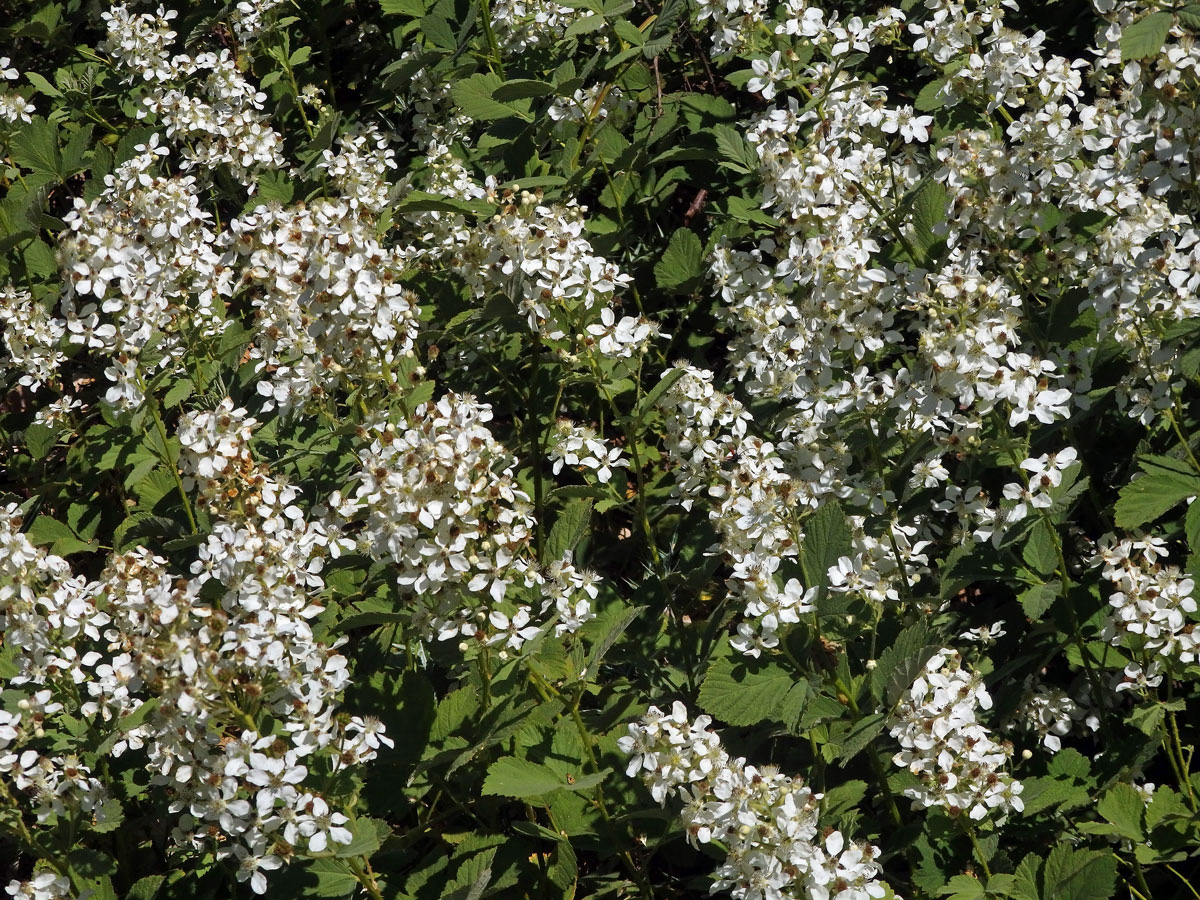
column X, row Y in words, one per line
column 1043, row 474
column 13, row 107
column 765, row 820
column 331, row 306
column 593, row 103
column 754, row 500
column 238, row 699
column 1149, row 608
column 539, row 257
column 579, row 447
column 437, row 499
column 522, row 25
column 1050, row 712
column 140, row 262
column 32, row 337
column 959, row 764
column 222, row 126
column 44, row 886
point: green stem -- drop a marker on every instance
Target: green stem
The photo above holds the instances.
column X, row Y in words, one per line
column 495, row 62
column 970, row 830
column 152, row 401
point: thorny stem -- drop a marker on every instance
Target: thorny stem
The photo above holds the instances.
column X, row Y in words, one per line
column 362, row 871
column 970, row 830
column 585, row 736
column 152, row 402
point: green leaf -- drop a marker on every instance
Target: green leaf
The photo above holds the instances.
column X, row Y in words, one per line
column 963, row 887
column 40, row 440
column 273, row 187
column 512, row 777
column 520, row 88
column 744, row 693
column 1026, row 878
column 334, row 879
column 1079, row 874
column 1123, row 806
column 146, row 888
column 929, row 211
column 413, row 8
column 42, row 85
column 1164, row 805
column 1146, row 36
column 180, row 391
column 132, row 720
column 681, row 263
column 827, row 538
column 568, row 529
column 1039, row 550
column 474, row 98
column 1038, row 598
column 843, row 798
column 369, row 834
column 614, row 632
column 900, row 664
column 860, row 735
column 1189, row 17
column 1191, row 527
column 735, row 152
column 928, row 98
column 36, row 147
column 62, row 540
column 668, row 381
column 1166, row 482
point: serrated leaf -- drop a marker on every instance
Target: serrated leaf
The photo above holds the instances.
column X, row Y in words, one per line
column 1189, row 17
column 1039, row 551
column 36, row 147
column 664, row 384
column 1165, row 804
column 1166, row 482
column 681, row 262
column 521, row 88
column 334, row 879
column 1123, row 806
column 145, row 888
column 369, row 834
column 1038, row 598
column 1070, row 763
column 42, row 85
column 132, row 720
column 860, row 735
column 827, row 538
column 40, row 439
column 473, row 96
column 1146, row 36
column 47, row 530
column 735, row 153
column 273, row 187
column 928, row 98
column 744, row 693
column 842, row 798
column 180, row 391
column 1071, row 874
column 414, row 8
column 963, row 887
column 568, row 529
column 900, row 664
column 1026, row 879
column 929, row 211
column 512, row 777
column 614, row 632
